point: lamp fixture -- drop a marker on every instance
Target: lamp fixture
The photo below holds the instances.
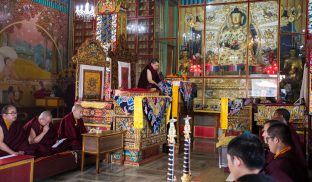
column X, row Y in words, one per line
column 85, row 12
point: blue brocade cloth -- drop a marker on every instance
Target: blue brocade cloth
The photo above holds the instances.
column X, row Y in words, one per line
column 125, row 102
column 154, row 110
column 188, row 91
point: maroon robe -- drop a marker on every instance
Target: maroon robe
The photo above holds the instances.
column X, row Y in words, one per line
column 16, row 138
column 287, row 168
column 297, row 146
column 72, row 132
column 143, row 82
column 48, row 140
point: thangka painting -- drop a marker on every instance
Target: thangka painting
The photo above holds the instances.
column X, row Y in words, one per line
column 124, row 76
column 92, row 85
column 231, row 40
column 91, row 82
column 191, row 41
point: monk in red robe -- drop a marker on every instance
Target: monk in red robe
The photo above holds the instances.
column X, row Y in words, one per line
column 285, row 166
column 71, row 127
column 149, row 77
column 41, row 131
column 283, row 116
column 13, row 139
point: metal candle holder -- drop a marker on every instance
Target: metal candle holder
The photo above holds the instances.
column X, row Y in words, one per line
column 187, row 146
column 171, row 141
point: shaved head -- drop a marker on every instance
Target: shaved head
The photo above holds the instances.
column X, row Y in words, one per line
column 77, row 111
column 45, row 114
column 45, row 118
column 76, row 107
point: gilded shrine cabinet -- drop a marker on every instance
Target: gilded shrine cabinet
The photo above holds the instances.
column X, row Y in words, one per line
column 243, row 50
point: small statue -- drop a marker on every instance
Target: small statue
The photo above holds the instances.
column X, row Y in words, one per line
column 293, row 70
column 184, row 64
column 293, row 66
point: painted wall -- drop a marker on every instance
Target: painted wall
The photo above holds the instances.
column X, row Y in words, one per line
column 33, row 47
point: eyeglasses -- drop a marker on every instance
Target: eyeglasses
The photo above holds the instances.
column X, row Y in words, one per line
column 12, row 113
column 267, row 138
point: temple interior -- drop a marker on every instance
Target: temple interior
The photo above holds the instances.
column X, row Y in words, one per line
column 156, row 90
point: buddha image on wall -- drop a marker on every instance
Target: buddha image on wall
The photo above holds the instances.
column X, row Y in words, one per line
column 233, row 38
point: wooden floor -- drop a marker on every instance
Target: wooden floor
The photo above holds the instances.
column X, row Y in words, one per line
column 203, row 167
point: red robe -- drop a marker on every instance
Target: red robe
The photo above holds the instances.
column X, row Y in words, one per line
column 49, row 139
column 287, row 168
column 72, row 131
column 16, row 138
column 296, row 143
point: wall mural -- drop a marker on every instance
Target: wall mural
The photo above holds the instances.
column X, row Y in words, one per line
column 33, row 47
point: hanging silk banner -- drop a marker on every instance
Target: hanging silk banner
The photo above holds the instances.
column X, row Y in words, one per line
column 175, row 98
column 188, row 92
column 138, row 112
column 224, row 113
column 154, row 109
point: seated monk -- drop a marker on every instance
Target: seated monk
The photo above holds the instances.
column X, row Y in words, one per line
column 13, row 139
column 285, row 166
column 71, row 127
column 41, row 131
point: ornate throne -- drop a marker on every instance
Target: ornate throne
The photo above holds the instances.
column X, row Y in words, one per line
column 93, row 86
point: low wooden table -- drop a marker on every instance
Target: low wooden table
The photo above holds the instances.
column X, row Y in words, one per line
column 102, row 143
column 17, row 168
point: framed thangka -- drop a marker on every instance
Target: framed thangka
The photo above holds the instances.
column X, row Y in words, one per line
column 191, row 42
column 226, row 39
column 124, row 76
column 91, row 85
column 263, row 39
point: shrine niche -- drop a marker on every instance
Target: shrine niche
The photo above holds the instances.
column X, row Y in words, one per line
column 231, row 40
column 121, row 59
column 92, row 75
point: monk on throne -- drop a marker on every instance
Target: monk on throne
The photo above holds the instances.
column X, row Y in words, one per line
column 13, row 139
column 72, row 126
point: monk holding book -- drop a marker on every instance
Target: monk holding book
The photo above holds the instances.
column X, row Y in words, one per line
column 71, row 127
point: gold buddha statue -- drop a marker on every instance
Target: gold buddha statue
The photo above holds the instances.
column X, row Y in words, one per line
column 233, row 39
column 293, row 70
column 184, row 64
column 293, row 66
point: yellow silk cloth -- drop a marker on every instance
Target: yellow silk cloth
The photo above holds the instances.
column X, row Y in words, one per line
column 224, row 140
column 7, row 123
column 138, row 111
column 175, row 101
column 224, row 113
column 168, row 113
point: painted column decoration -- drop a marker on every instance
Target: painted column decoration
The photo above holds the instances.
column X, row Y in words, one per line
column 171, row 141
column 187, row 142
column 309, row 51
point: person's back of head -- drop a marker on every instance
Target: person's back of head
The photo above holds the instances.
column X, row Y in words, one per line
column 284, row 113
column 282, row 132
column 255, row 178
column 245, row 155
column 249, row 149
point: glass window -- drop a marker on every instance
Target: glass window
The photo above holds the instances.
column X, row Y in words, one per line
column 225, row 87
column 226, row 39
column 191, row 44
